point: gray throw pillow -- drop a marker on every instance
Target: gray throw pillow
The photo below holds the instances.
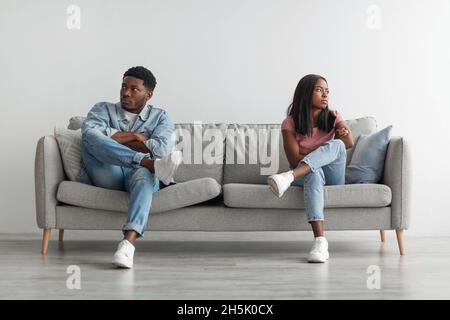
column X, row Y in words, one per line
column 76, row 122
column 69, row 142
column 367, row 163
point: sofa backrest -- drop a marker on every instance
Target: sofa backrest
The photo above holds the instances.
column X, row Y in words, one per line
column 253, row 166
column 236, row 153
column 253, row 151
column 197, row 141
column 203, row 147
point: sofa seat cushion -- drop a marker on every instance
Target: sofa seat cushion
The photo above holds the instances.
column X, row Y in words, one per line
column 172, row 197
column 240, row 195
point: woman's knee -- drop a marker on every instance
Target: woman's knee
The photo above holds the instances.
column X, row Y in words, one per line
column 315, row 177
column 340, row 146
column 338, row 143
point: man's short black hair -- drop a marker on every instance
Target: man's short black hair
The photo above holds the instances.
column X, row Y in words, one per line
column 144, row 74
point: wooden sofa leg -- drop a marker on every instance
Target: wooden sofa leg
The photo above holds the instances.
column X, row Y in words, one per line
column 61, row 235
column 382, row 234
column 399, row 233
column 45, row 238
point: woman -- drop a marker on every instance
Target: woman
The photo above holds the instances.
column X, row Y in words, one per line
column 315, row 140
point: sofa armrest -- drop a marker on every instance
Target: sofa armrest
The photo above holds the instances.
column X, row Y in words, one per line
column 48, row 173
column 397, row 175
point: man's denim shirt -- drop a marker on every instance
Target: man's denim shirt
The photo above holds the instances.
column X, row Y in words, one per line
column 107, row 118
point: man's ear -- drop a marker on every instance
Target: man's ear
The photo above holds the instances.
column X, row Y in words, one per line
column 149, row 94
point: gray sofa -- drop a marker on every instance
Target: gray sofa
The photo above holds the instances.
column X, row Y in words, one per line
column 230, row 194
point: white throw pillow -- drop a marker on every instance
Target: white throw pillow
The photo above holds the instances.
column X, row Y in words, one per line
column 69, row 142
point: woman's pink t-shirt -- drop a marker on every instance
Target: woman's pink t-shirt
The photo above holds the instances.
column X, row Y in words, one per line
column 318, row 138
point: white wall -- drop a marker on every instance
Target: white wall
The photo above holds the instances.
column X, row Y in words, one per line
column 227, row 61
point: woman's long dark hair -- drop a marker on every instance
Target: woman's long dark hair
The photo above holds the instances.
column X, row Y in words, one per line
column 301, row 108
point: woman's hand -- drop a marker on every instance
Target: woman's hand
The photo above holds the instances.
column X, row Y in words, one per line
column 344, row 133
column 341, row 132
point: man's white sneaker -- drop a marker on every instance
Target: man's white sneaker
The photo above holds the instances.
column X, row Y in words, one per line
column 319, row 251
column 165, row 168
column 123, row 258
column 279, row 183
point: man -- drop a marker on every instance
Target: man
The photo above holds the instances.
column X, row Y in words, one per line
column 127, row 146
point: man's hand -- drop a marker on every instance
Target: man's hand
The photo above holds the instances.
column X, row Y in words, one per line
column 138, row 144
column 124, row 137
column 141, row 137
column 132, row 140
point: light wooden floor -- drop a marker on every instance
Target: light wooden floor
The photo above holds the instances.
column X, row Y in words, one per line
column 261, row 265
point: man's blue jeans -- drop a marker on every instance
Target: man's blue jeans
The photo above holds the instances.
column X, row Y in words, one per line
column 104, row 162
column 327, row 165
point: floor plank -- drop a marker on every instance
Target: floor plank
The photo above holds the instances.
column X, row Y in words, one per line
column 227, row 266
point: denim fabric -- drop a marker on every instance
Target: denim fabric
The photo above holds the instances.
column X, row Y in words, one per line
column 327, row 165
column 105, row 118
column 111, row 165
column 103, row 158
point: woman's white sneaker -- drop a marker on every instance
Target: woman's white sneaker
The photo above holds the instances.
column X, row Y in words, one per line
column 319, row 252
column 165, row 168
column 123, row 258
column 279, row 183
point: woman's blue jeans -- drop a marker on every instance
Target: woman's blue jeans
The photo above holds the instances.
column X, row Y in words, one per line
column 327, row 165
column 104, row 164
